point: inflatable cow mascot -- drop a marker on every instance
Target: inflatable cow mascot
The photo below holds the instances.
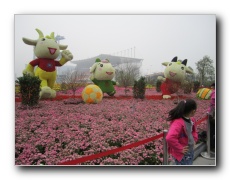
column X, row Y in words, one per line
column 102, row 73
column 174, row 73
column 46, row 50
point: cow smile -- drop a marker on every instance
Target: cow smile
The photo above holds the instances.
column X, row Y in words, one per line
column 109, row 73
column 52, row 50
column 172, row 74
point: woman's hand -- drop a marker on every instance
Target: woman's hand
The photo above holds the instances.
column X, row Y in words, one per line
column 185, row 150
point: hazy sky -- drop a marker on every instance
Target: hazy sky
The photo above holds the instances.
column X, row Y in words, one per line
column 156, row 38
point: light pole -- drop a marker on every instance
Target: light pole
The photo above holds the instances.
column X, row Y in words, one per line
column 58, row 38
column 134, row 51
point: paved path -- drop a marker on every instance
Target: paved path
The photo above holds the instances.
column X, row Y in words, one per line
column 201, row 161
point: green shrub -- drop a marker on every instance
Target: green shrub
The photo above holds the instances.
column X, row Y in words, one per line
column 149, row 86
column 139, row 88
column 29, row 89
column 158, row 85
column 196, row 86
column 187, row 87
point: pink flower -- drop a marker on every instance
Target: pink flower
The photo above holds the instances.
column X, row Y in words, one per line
column 57, row 132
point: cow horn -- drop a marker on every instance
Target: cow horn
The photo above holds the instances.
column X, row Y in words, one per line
column 40, row 33
column 174, row 59
column 184, row 62
column 52, row 35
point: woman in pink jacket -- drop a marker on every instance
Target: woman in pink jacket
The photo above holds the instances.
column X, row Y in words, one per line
column 182, row 135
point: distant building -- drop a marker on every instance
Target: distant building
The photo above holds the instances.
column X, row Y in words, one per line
column 63, row 69
column 151, row 78
column 61, row 72
column 154, row 75
column 84, row 64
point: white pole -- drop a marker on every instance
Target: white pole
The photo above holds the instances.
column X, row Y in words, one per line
column 134, row 51
column 165, row 148
column 208, row 154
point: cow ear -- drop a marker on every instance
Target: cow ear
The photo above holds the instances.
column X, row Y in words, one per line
column 29, row 41
column 165, row 63
column 174, row 59
column 184, row 62
column 188, row 70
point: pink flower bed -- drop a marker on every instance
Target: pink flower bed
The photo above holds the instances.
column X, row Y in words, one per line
column 57, row 132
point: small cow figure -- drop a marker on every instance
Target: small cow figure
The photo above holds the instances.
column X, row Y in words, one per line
column 46, row 50
column 175, row 73
column 102, row 73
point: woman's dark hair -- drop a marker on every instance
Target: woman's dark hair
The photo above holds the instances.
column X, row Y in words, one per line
column 183, row 108
column 213, row 85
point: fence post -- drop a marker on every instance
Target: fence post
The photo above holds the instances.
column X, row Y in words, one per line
column 165, row 148
column 208, row 154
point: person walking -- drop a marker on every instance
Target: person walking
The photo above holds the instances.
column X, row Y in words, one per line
column 182, row 135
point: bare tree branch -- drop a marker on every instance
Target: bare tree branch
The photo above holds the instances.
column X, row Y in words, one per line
column 74, row 79
column 127, row 73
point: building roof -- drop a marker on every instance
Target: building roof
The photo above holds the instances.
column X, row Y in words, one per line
column 85, row 64
column 155, row 74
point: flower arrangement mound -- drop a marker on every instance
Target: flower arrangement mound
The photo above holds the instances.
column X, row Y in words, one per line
column 57, row 132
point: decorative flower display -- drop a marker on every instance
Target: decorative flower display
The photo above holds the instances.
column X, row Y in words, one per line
column 56, row 132
column 92, row 94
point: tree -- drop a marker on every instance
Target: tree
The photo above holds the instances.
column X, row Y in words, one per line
column 187, row 85
column 127, row 73
column 150, row 80
column 206, row 71
column 74, row 79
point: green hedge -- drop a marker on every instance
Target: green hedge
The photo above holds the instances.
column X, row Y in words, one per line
column 29, row 89
column 139, row 88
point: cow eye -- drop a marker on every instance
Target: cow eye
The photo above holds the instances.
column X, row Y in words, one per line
column 182, row 68
column 101, row 65
column 43, row 39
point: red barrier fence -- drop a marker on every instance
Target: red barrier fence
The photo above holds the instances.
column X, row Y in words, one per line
column 201, row 120
column 62, row 97
column 113, row 151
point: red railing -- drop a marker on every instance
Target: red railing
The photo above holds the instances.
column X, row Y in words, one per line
column 62, row 97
